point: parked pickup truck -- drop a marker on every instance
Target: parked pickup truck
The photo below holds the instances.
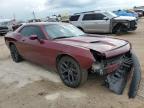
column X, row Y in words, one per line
column 103, row 22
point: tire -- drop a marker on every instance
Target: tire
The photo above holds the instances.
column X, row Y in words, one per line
column 71, row 73
column 119, row 29
column 15, row 54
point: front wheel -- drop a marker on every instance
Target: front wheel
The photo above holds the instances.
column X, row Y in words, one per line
column 119, row 29
column 71, row 73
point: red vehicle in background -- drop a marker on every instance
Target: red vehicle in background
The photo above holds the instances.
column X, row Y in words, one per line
column 74, row 54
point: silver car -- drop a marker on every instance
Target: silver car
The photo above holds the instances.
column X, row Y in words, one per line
column 103, row 22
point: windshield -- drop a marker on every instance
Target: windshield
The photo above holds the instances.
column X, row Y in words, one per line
column 110, row 14
column 63, row 30
column 4, row 23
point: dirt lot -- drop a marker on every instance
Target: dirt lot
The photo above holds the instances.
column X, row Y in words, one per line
column 26, row 85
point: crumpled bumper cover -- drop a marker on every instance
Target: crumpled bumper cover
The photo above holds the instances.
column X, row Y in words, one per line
column 117, row 81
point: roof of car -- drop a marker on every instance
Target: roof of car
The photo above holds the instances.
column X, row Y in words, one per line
column 5, row 20
column 95, row 11
column 44, row 23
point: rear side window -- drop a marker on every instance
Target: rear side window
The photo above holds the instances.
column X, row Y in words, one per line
column 32, row 30
column 26, row 31
column 97, row 16
column 74, row 18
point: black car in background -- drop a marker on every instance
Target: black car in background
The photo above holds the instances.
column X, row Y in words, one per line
column 5, row 26
column 3, row 30
column 140, row 12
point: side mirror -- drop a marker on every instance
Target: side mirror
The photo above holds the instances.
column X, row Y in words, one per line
column 33, row 37
column 105, row 18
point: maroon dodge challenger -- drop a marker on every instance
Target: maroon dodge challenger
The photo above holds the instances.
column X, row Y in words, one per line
column 75, row 54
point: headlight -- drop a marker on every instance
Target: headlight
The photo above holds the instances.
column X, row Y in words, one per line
column 98, row 56
column 127, row 23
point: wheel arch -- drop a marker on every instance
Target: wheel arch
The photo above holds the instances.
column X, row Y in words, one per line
column 84, row 62
column 115, row 26
column 10, row 43
column 63, row 55
column 80, row 28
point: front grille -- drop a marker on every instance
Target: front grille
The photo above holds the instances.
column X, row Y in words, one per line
column 117, row 59
column 3, row 28
column 109, row 65
column 120, row 62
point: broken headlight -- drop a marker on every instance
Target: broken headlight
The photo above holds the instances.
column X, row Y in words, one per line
column 98, row 68
column 98, row 65
column 97, row 55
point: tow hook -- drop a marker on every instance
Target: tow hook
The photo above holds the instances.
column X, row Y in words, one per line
column 117, row 81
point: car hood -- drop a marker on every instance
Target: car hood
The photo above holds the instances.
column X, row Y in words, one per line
column 97, row 43
column 129, row 18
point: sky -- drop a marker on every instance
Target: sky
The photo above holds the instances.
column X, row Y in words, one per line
column 23, row 9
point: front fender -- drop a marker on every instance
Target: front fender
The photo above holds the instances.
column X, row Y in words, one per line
column 82, row 55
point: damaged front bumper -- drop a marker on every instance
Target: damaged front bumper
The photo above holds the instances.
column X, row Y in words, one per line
column 118, row 71
column 117, row 81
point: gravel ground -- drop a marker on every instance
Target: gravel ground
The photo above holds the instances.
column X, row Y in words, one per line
column 26, row 85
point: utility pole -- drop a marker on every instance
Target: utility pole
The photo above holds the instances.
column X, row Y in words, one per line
column 34, row 15
column 14, row 17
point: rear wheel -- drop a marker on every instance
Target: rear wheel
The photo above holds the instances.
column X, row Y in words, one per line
column 14, row 54
column 70, row 72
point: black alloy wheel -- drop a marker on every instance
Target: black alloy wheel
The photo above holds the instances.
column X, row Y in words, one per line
column 70, row 72
column 120, row 29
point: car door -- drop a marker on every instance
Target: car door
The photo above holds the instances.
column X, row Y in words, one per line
column 39, row 47
column 33, row 49
column 96, row 22
column 22, row 45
